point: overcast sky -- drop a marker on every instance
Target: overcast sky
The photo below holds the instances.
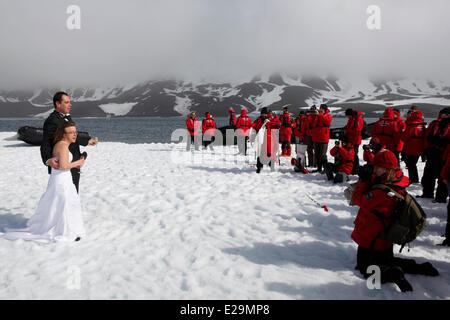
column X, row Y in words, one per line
column 219, row 40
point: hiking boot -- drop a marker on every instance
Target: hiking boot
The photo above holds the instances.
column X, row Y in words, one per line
column 445, row 243
column 427, row 269
column 258, row 170
column 425, row 196
column 396, row 275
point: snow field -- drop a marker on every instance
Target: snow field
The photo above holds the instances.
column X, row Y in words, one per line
column 163, row 223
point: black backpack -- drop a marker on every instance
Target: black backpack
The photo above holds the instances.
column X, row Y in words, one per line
column 365, row 134
column 407, row 220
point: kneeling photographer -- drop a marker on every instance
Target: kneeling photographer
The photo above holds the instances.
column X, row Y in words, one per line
column 371, row 149
column 343, row 153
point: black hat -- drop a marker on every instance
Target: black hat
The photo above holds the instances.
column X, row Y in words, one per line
column 343, row 138
column 349, row 112
column 313, row 107
column 445, row 111
column 264, row 110
column 301, row 113
column 324, row 106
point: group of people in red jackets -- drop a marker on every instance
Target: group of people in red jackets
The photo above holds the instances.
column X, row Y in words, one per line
column 207, row 127
column 391, row 138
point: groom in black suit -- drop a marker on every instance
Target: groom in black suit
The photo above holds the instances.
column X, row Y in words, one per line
column 61, row 114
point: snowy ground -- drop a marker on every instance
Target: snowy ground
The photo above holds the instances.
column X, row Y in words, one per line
column 166, row 224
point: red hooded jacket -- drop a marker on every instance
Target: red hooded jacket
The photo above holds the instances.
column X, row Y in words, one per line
column 321, row 127
column 445, row 172
column 208, row 125
column 367, row 224
column 353, row 129
column 243, row 124
column 232, row 120
column 413, row 136
column 300, row 127
column 386, row 130
column 347, row 155
column 193, row 126
column 286, row 127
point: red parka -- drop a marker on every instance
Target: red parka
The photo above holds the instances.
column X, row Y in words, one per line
column 286, row 127
column 367, row 224
column 430, row 129
column 243, row 124
column 386, row 130
column 193, row 126
column 401, row 127
column 321, row 127
column 413, row 136
column 445, row 172
column 353, row 129
column 301, row 127
column 346, row 158
column 208, row 125
column 232, row 120
column 309, row 123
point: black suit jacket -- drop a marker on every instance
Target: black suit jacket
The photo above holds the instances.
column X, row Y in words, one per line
column 54, row 120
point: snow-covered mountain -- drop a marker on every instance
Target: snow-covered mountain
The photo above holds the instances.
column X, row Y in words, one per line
column 176, row 98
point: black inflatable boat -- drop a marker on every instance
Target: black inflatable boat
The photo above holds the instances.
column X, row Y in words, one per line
column 34, row 136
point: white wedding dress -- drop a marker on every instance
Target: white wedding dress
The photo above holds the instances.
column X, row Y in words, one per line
column 58, row 216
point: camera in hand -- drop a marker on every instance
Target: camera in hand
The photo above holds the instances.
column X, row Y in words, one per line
column 365, row 172
column 84, row 155
column 366, row 147
column 337, row 143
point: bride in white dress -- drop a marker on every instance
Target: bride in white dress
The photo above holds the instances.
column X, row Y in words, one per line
column 58, row 216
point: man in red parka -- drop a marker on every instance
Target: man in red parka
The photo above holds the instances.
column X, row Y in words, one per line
column 445, row 178
column 193, row 128
column 286, row 132
column 376, row 206
column 401, row 127
column 243, row 125
column 310, row 117
column 387, row 131
column 437, row 136
column 208, row 130
column 413, row 143
column 300, row 143
column 232, row 118
column 344, row 154
column 353, row 130
column 321, row 136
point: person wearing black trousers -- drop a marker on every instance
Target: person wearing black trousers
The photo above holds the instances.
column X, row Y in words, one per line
column 60, row 115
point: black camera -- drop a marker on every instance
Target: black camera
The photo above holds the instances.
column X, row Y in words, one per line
column 366, row 147
column 365, row 172
column 337, row 142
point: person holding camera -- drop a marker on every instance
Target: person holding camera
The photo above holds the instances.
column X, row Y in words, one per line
column 310, row 117
column 371, row 149
column 321, row 136
column 353, row 130
column 344, row 155
column 300, row 143
column 375, row 208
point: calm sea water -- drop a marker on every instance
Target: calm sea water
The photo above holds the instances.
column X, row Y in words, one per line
column 130, row 130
